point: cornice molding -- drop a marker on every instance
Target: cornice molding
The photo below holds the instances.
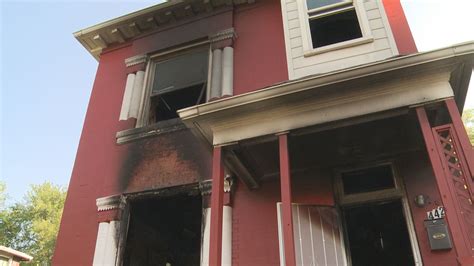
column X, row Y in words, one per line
column 136, row 60
column 223, row 35
column 110, row 203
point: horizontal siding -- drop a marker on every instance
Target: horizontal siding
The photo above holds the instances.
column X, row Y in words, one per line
column 376, row 50
column 341, row 64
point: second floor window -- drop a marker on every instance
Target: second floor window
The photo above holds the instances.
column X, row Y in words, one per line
column 332, row 21
column 177, row 82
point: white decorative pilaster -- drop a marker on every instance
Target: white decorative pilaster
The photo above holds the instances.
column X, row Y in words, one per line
column 228, row 71
column 216, row 75
column 108, row 235
column 133, row 87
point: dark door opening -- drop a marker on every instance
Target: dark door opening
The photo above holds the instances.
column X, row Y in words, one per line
column 164, row 231
column 378, row 234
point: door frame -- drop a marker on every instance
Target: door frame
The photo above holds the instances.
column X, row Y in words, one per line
column 396, row 193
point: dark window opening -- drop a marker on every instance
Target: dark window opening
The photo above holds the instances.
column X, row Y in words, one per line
column 334, row 28
column 164, row 230
column 378, row 235
column 368, row 180
column 178, row 82
column 164, row 106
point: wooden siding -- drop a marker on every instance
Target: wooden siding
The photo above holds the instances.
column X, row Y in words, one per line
column 372, row 17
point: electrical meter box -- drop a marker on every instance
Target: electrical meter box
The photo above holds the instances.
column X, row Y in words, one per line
column 438, row 234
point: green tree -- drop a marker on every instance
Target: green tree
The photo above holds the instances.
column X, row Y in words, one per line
column 32, row 225
column 468, row 119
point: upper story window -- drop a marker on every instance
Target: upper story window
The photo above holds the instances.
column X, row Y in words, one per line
column 332, row 21
column 176, row 82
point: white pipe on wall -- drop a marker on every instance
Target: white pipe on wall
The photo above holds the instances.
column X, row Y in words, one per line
column 127, row 97
column 216, row 76
column 228, row 71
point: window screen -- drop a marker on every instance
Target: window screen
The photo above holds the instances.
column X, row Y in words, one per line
column 180, row 72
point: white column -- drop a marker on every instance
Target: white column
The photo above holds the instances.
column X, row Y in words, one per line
column 226, row 237
column 137, row 93
column 216, row 75
column 110, row 254
column 127, row 97
column 228, row 71
column 100, row 244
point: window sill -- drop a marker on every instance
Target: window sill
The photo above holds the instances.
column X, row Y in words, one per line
column 156, row 129
column 338, row 46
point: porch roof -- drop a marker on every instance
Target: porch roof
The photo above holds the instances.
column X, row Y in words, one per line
column 390, row 84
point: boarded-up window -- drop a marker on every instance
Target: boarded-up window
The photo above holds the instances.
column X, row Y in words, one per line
column 318, row 236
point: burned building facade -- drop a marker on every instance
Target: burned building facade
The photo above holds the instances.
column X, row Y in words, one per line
column 265, row 132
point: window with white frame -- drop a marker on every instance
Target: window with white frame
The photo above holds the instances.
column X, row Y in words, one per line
column 176, row 81
column 331, row 22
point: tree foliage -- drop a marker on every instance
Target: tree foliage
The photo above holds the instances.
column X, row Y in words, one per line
column 31, row 226
column 468, row 119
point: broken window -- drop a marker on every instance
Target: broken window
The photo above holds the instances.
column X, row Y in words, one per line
column 332, row 21
column 164, row 231
column 368, row 180
column 178, row 82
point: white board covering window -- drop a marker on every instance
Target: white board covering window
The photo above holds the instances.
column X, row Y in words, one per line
column 318, row 236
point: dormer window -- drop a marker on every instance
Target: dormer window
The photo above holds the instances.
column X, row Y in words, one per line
column 332, row 21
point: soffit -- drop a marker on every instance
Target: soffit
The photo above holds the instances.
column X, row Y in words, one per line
column 136, row 24
column 385, row 85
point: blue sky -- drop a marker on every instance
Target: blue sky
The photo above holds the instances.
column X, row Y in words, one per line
column 46, row 77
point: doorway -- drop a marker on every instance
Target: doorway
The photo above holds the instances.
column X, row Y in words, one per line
column 164, row 231
column 377, row 222
column 378, row 234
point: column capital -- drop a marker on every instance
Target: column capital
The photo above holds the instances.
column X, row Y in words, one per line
column 110, row 203
column 136, row 63
column 222, row 38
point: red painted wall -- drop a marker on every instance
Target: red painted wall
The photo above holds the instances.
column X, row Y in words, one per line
column 418, row 176
column 400, row 28
column 254, row 216
column 96, row 166
column 259, row 50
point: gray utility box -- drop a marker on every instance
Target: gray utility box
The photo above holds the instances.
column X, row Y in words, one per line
column 438, row 234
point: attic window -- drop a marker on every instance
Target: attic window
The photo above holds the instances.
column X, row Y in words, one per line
column 332, row 21
column 178, row 82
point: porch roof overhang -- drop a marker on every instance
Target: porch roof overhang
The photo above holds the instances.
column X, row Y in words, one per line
column 391, row 84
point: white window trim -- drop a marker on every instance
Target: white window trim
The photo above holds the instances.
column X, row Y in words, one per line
column 308, row 49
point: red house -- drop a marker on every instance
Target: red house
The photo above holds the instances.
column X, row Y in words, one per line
column 265, row 132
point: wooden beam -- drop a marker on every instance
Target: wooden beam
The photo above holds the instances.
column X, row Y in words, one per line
column 134, row 28
column 118, row 35
column 235, row 165
column 287, row 216
column 99, row 41
column 152, row 23
column 217, row 203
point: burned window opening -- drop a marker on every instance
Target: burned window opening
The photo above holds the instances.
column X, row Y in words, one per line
column 368, row 180
column 164, row 230
column 164, row 106
column 334, row 28
column 378, row 234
